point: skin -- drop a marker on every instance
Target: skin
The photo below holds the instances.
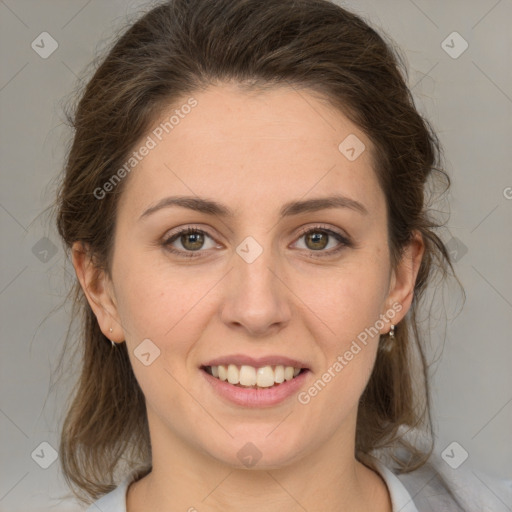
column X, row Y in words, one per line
column 252, row 152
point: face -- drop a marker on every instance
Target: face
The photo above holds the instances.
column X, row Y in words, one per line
column 307, row 284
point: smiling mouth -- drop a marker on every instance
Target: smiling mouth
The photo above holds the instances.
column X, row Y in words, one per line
column 245, row 376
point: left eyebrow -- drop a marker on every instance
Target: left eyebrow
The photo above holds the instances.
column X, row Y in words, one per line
column 289, row 209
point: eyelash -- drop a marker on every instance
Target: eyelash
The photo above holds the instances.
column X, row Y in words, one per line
column 344, row 241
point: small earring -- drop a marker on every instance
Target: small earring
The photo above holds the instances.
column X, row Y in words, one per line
column 388, row 343
column 111, row 341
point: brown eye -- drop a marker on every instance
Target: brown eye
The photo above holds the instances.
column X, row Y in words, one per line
column 316, row 240
column 192, row 241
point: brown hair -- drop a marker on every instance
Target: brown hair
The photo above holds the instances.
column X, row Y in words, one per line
column 183, row 46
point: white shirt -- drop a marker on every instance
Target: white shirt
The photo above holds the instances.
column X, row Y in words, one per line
column 434, row 487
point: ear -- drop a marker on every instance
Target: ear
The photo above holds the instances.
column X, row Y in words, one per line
column 98, row 290
column 403, row 279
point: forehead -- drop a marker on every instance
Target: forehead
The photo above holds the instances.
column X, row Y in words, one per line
column 253, row 148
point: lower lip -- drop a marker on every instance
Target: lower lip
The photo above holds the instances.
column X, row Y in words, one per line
column 251, row 397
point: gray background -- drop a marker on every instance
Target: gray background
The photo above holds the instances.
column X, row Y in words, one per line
column 469, row 101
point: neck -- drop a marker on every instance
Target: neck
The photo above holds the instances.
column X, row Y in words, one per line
column 328, row 478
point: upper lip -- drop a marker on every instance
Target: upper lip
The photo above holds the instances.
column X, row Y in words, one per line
column 256, row 362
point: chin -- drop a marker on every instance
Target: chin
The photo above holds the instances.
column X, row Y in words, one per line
column 256, row 453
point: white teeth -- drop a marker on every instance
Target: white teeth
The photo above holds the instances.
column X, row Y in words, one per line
column 233, row 374
column 223, row 373
column 265, row 377
column 246, row 375
column 288, row 373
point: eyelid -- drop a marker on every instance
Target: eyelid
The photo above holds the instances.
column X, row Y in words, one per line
column 319, row 227
column 183, row 229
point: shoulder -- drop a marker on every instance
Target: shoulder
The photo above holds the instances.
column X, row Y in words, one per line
column 115, row 501
column 437, row 487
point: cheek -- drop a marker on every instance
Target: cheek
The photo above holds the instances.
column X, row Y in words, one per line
column 343, row 311
column 347, row 299
column 144, row 292
column 346, row 308
column 163, row 304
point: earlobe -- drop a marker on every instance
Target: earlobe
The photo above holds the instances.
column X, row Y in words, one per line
column 404, row 276
column 97, row 288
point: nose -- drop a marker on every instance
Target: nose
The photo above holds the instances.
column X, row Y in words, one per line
column 256, row 299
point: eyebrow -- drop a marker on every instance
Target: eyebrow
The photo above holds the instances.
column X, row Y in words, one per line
column 289, row 209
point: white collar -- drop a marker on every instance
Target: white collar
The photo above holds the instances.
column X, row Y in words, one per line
column 401, row 500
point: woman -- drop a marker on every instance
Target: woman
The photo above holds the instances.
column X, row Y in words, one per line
column 244, row 204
